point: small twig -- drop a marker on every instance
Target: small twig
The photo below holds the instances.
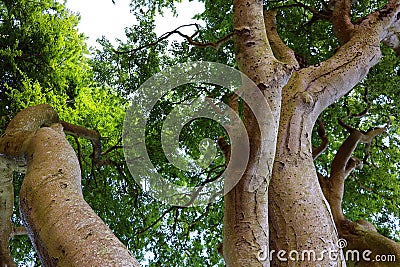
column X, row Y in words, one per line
column 200, row 217
column 363, row 112
column 18, row 230
column 216, row 45
column 115, row 147
column 158, row 220
column 315, row 12
column 324, row 14
column 371, row 189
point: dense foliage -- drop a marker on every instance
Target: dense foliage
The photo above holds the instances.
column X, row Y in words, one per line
column 43, row 58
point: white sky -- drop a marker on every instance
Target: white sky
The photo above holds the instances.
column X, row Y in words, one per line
column 102, row 17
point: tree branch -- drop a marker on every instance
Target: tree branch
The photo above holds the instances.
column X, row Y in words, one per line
column 328, row 81
column 317, row 151
column 21, row 129
column 265, row 70
column 18, row 230
column 225, row 148
column 158, row 219
column 190, row 39
column 324, row 14
column 343, row 164
column 391, row 38
column 92, row 135
column 341, row 20
column 279, row 48
column 361, row 113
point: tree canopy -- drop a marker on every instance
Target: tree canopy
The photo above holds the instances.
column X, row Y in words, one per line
column 44, row 59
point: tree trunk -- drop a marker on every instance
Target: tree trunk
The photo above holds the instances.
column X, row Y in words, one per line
column 61, row 225
column 246, row 231
column 6, row 205
column 301, row 219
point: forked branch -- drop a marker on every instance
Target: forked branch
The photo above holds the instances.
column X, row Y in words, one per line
column 92, row 135
column 281, row 51
column 344, row 163
column 189, row 38
column 360, row 235
column 341, row 21
column 331, row 79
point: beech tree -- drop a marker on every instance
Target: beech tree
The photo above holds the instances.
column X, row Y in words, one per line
column 330, row 173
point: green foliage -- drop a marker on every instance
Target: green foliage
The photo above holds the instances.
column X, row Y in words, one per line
column 39, row 45
column 32, row 94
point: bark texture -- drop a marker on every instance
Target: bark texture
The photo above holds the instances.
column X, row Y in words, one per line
column 63, row 228
column 246, row 231
column 6, row 206
column 300, row 216
column 7, row 228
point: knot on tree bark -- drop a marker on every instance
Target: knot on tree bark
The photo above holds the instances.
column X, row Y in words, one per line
column 23, row 127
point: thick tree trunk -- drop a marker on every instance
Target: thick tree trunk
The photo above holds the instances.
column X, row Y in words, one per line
column 246, row 231
column 301, row 223
column 300, row 216
column 63, row 228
